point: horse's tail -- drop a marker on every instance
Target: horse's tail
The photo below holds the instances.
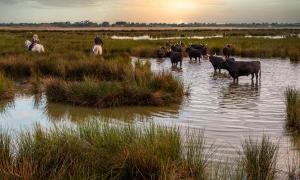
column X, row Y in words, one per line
column 97, row 50
column 42, row 49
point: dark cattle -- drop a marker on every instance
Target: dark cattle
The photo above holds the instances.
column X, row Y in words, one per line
column 197, row 51
column 227, row 51
column 176, row 57
column 217, row 62
column 176, row 48
column 161, row 52
column 194, row 53
column 242, row 68
column 204, row 51
column 197, row 46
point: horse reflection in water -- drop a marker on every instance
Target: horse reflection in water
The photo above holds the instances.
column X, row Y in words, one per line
column 240, row 95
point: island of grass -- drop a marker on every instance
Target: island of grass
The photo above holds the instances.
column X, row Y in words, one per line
column 96, row 82
column 138, row 86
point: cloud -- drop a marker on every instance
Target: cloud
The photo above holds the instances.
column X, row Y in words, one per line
column 78, row 3
column 55, row 3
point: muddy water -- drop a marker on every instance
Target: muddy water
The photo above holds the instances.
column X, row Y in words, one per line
column 227, row 112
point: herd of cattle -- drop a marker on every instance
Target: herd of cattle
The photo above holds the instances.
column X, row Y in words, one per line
column 198, row 51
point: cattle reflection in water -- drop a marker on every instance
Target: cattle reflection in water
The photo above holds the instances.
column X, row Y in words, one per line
column 240, row 95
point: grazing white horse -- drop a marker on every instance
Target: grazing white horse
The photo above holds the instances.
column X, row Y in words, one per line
column 36, row 48
column 97, row 50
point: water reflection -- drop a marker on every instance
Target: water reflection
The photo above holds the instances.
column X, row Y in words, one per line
column 59, row 112
column 227, row 111
column 176, row 69
column 242, row 95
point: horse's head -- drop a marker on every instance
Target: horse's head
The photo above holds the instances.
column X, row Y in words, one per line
column 27, row 43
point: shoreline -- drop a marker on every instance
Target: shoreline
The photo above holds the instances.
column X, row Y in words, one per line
column 56, row 28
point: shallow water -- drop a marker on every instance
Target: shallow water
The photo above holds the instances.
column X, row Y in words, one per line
column 147, row 37
column 227, row 112
column 266, row 37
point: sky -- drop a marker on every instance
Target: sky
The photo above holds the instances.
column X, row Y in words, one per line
column 168, row 11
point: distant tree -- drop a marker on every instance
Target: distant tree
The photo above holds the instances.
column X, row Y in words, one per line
column 105, row 24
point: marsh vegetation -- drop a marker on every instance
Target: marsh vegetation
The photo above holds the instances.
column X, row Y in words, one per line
column 101, row 150
column 68, row 74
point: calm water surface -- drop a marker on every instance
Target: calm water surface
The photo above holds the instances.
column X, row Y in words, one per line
column 227, row 112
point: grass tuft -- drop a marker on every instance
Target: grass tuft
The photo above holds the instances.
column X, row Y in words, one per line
column 98, row 150
column 7, row 89
column 259, row 158
column 292, row 97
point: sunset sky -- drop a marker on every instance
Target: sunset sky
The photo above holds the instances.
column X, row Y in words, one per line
column 170, row 11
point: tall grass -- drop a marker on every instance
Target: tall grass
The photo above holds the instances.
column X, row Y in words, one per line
column 292, row 97
column 6, row 88
column 259, row 159
column 22, row 66
column 98, row 151
column 77, row 45
column 161, row 89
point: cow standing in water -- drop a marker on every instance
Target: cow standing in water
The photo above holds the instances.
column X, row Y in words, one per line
column 227, row 51
column 242, row 68
column 176, row 54
column 196, row 51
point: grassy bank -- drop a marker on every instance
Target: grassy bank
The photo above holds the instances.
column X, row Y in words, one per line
column 52, row 66
column 7, row 89
column 77, row 45
column 104, row 151
column 292, row 97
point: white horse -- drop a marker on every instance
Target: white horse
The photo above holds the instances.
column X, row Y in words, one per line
column 36, row 48
column 97, row 50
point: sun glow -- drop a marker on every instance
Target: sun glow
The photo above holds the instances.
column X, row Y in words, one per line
column 184, row 5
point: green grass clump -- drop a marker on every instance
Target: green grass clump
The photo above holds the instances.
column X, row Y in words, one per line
column 16, row 67
column 292, row 97
column 6, row 88
column 141, row 87
column 294, row 54
column 259, row 159
column 52, row 66
column 117, row 69
column 160, row 89
column 5, row 155
column 99, row 151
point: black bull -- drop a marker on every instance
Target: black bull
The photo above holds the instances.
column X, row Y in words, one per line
column 217, row 62
column 196, row 52
column 176, row 57
column 242, row 68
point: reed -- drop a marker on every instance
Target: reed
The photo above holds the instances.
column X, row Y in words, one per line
column 292, row 97
column 101, row 94
column 7, row 89
column 77, row 45
column 97, row 150
column 259, row 158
